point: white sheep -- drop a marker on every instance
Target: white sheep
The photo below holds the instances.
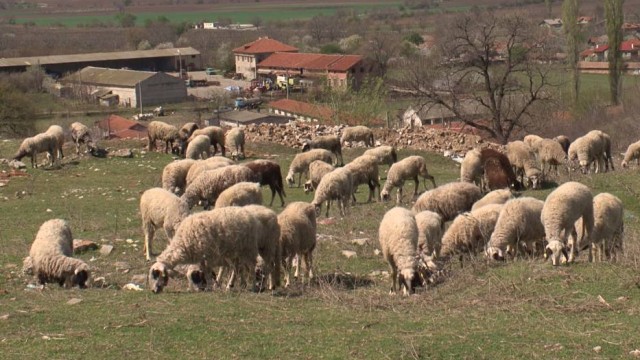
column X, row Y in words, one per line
column 174, row 175
column 317, row 169
column 216, row 136
column 297, row 237
column 160, row 208
column 158, row 130
column 563, row 141
column 499, row 196
column 220, row 237
column 235, row 140
column 300, row 163
column 358, row 133
column 32, row 146
column 407, row 169
column 608, row 227
column 430, row 231
column 551, row 153
column 364, row 170
column 523, row 160
column 51, row 256
column 198, row 148
column 327, row 142
column 469, row 232
column 562, row 208
column 449, row 200
column 268, row 243
column 532, row 140
column 209, row 184
column 80, row 134
column 240, row 194
column 471, row 167
column 336, row 185
column 58, row 133
column 632, row 153
column 588, row 149
column 200, row 166
column 518, row 227
column 398, row 236
column 384, row 153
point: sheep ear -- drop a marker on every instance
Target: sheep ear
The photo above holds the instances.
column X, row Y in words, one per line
column 564, row 252
column 155, row 274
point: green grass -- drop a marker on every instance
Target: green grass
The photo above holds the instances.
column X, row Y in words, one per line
column 521, row 309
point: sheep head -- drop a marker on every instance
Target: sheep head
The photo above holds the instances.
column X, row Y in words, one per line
column 196, row 278
column 408, row 280
column 158, row 277
column 306, row 146
column 555, row 249
column 384, row 195
column 80, row 276
column 494, row 253
column 290, row 180
column 20, row 154
column 624, row 164
column 308, row 187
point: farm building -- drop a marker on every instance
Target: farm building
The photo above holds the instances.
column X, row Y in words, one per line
column 127, row 87
column 244, row 117
column 249, row 55
column 438, row 114
column 117, row 127
column 149, row 60
column 300, row 110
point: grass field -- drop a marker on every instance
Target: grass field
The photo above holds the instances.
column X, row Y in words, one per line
column 521, row 309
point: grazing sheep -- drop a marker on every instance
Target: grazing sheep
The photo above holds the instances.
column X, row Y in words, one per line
column 518, row 227
column 564, row 142
column 471, row 168
column 550, row 152
column 384, row 153
column 523, row 160
column 407, row 169
column 80, row 134
column 358, row 133
column 499, row 196
column 51, row 256
column 608, row 156
column 336, row 185
column 430, row 231
column 327, row 142
column 58, row 133
column 268, row 243
column 198, row 148
column 532, row 141
column 297, row 237
column 269, row 174
column 398, row 236
column 216, row 136
column 240, row 194
column 200, row 166
column 608, row 227
column 364, row 170
column 220, row 237
column 32, row 146
column 158, row 130
column 449, row 200
column 317, row 169
column 160, row 208
column 588, row 149
column 633, row 153
column 498, row 172
column 300, row 163
column 563, row 207
column 235, row 139
column 469, row 232
column 187, row 130
column 209, row 184
column 174, row 175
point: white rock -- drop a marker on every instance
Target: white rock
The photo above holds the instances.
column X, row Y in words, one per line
column 376, row 252
column 597, row 349
column 49, row 210
column 361, row 241
column 74, row 301
column 106, row 249
column 131, row 286
column 349, row 253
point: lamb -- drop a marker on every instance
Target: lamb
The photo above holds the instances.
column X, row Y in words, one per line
column 398, row 236
column 518, row 226
column 160, row 208
column 240, row 194
column 200, row 166
column 588, row 149
column 235, row 138
column 198, row 148
column 408, row 168
column 327, row 142
column 220, row 237
column 58, row 133
column 184, row 134
column 499, row 196
column 268, row 243
column 364, row 170
column 551, row 152
column 384, row 153
column 269, row 174
column 158, row 130
column 498, row 172
column 317, row 169
column 51, row 256
column 563, row 207
column 633, row 153
column 297, row 237
column 336, row 185
column 471, row 168
column 80, row 135
column 608, row 227
column 564, row 142
column 523, row 160
column 216, row 136
column 174, row 175
column 358, row 133
column 32, row 146
column 430, row 231
column 208, row 185
column 448, row 200
column 300, row 163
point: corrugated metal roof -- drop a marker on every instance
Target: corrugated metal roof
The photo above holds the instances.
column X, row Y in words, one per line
column 103, row 76
column 105, row 56
column 310, row 61
column 264, row 45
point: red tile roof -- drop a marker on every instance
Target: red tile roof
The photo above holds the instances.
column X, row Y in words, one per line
column 310, row 61
column 264, row 45
column 119, row 127
column 302, row 108
column 630, row 45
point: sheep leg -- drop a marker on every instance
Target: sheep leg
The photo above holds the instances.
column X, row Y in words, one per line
column 297, row 273
column 299, row 179
column 220, row 272
column 232, row 278
column 287, row 271
column 394, row 277
column 273, row 194
column 149, row 232
column 399, row 195
column 308, row 266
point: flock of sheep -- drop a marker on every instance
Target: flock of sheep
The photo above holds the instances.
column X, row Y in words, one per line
column 249, row 243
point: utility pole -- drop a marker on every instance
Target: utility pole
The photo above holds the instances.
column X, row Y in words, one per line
column 140, row 96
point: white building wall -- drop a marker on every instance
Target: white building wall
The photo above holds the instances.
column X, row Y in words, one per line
column 246, row 65
column 161, row 89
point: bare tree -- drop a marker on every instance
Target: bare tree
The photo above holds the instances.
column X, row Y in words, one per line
column 614, row 18
column 486, row 73
column 379, row 48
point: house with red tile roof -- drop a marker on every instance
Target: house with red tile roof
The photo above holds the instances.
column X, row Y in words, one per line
column 117, row 127
column 249, row 55
column 301, row 110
